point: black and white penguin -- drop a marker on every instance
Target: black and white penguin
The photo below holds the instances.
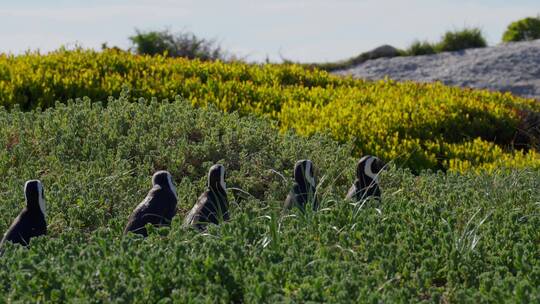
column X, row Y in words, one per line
column 158, row 208
column 304, row 188
column 212, row 206
column 366, row 183
column 31, row 221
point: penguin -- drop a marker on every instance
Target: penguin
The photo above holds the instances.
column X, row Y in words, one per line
column 366, row 183
column 212, row 206
column 304, row 188
column 158, row 208
column 31, row 221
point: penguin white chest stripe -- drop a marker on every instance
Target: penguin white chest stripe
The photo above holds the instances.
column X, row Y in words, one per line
column 368, row 171
column 171, row 185
column 41, row 200
column 222, row 178
column 307, row 173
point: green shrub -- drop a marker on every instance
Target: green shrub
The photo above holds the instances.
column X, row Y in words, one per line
column 418, row 48
column 435, row 237
column 182, row 44
column 424, row 126
column 522, row 30
column 462, row 39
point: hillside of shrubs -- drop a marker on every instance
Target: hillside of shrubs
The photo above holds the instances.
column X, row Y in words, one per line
column 419, row 126
column 450, row 238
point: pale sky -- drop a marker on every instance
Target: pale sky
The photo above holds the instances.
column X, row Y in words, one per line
column 300, row 30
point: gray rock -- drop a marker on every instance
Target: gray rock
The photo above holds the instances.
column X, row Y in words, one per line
column 382, row 51
column 512, row 67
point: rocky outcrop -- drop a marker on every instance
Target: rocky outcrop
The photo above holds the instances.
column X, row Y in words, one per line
column 513, row 67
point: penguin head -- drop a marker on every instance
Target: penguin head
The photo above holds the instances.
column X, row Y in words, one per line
column 216, row 177
column 303, row 173
column 164, row 180
column 369, row 166
column 35, row 196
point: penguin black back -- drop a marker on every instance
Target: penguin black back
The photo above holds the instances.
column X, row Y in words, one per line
column 304, row 187
column 158, row 208
column 212, row 206
column 31, row 221
column 366, row 183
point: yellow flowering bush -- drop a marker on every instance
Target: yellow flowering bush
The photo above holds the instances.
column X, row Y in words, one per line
column 422, row 126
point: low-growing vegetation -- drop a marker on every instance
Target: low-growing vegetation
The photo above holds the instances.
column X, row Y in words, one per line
column 435, row 237
column 421, row 126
